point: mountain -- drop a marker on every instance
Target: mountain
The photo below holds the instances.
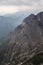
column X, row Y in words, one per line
column 24, row 43
column 9, row 22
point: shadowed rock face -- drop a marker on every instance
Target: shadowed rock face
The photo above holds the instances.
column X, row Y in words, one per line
column 24, row 42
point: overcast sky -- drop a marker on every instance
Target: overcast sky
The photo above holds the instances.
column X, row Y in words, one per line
column 12, row 6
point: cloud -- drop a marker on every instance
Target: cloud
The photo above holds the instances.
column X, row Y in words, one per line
column 8, row 10
column 13, row 9
column 12, row 6
column 21, row 2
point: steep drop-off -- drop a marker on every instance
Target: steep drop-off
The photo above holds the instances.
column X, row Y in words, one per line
column 24, row 42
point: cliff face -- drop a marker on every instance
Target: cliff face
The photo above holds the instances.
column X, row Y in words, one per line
column 24, row 42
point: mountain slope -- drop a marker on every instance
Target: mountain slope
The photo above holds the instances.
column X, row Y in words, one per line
column 25, row 41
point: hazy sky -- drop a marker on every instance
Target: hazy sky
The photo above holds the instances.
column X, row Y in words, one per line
column 12, row 6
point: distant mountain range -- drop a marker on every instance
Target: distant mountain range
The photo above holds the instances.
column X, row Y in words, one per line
column 9, row 22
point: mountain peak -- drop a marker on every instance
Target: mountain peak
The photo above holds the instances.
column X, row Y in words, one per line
column 40, row 13
column 32, row 15
column 29, row 17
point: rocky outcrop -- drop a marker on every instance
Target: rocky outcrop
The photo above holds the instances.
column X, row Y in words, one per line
column 25, row 41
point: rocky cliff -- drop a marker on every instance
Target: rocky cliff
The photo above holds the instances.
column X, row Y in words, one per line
column 24, row 42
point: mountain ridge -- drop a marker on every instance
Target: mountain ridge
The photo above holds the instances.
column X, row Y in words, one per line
column 25, row 41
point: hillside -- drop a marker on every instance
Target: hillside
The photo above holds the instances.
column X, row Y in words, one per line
column 24, row 42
